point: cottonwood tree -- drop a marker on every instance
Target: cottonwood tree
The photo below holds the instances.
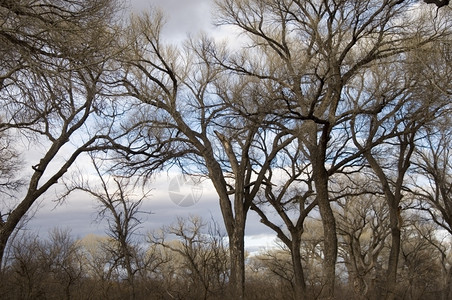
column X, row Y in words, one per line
column 118, row 205
column 432, row 176
column 397, row 106
column 10, row 164
column 273, row 266
column 62, row 261
column 276, row 265
column 312, row 51
column 52, row 86
column 97, row 262
column 432, row 185
column 289, row 192
column 433, row 165
column 190, row 113
column 24, row 276
column 391, row 161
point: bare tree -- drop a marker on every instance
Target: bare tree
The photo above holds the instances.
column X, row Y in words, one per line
column 97, row 266
column 312, row 51
column 422, row 271
column 289, row 192
column 274, row 266
column 391, row 173
column 204, row 256
column 55, row 88
column 121, row 209
column 433, row 164
column 10, row 164
column 410, row 106
column 61, row 259
column 50, row 268
column 363, row 228
column 190, row 113
column 431, row 179
column 432, row 185
column 24, row 276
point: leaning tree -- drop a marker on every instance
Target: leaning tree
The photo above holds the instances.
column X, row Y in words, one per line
column 52, row 93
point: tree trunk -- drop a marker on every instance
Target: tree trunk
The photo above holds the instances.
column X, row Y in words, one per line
column 3, row 241
column 299, row 281
column 330, row 249
column 329, row 230
column 7, row 227
column 393, row 261
column 393, row 201
column 237, row 253
column 235, row 228
column 320, row 176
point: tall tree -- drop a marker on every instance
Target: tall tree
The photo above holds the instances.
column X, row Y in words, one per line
column 52, row 86
column 363, row 230
column 398, row 108
column 207, row 121
column 202, row 253
column 312, row 51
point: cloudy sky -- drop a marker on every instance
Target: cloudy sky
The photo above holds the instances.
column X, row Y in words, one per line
column 79, row 214
column 183, row 16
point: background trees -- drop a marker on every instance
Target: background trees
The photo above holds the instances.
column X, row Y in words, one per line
column 120, row 207
column 45, row 268
column 202, row 257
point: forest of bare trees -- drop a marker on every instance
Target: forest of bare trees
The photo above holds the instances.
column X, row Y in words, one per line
column 329, row 120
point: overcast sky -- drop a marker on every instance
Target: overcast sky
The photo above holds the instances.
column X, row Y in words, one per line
column 183, row 16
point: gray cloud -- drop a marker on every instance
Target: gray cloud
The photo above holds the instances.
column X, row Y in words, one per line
column 183, row 16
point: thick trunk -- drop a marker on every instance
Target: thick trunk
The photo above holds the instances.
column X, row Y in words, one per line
column 358, row 285
column 330, row 250
column 392, row 200
column 329, row 232
column 130, row 277
column 234, row 220
column 357, row 269
column 320, row 176
column 237, row 256
column 299, row 281
column 3, row 241
column 7, row 227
